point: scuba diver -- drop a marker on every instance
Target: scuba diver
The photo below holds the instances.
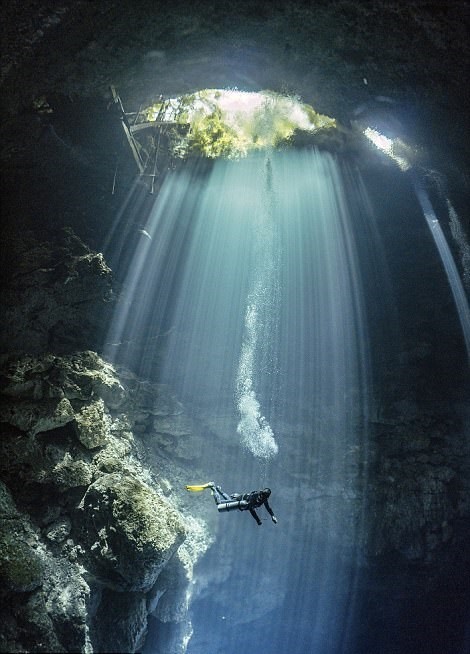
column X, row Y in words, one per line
column 242, row 502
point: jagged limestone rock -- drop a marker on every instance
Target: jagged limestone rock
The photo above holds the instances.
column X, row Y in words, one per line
column 52, row 459
column 32, row 378
column 38, row 631
column 70, row 473
column 20, row 567
column 80, row 376
column 169, row 598
column 92, row 425
column 49, row 589
column 113, row 456
column 8, row 508
column 130, row 530
column 24, row 569
column 68, row 435
column 59, row 530
column 90, row 369
column 123, row 629
column 67, row 595
column 35, row 417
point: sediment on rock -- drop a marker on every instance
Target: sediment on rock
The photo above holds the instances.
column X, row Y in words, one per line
column 85, row 530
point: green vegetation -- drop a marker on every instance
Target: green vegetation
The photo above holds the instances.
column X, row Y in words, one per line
column 211, row 136
column 230, row 123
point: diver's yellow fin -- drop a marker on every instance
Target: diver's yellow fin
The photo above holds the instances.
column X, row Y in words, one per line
column 199, row 487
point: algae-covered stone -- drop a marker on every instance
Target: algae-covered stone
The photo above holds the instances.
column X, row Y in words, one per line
column 38, row 626
column 20, row 567
column 67, row 598
column 7, row 506
column 88, row 370
column 168, row 599
column 93, row 425
column 59, row 530
column 130, row 530
column 114, row 456
column 34, row 378
column 35, row 417
column 70, row 473
column 81, row 376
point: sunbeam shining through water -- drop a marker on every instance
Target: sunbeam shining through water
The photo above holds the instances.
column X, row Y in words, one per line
column 445, row 253
column 248, row 287
column 261, row 318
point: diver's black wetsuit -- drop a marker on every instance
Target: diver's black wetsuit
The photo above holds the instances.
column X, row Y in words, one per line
column 246, row 502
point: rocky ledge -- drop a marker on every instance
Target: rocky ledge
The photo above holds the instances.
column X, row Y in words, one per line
column 92, row 542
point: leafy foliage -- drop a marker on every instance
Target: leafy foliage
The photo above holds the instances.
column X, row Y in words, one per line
column 218, row 123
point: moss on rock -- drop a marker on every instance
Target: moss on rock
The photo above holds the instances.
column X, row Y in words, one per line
column 36, row 417
column 20, row 567
column 92, row 425
column 70, row 473
column 81, row 376
column 7, row 505
column 130, row 530
column 88, row 369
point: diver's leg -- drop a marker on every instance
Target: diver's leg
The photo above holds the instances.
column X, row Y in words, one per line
column 219, row 495
column 255, row 516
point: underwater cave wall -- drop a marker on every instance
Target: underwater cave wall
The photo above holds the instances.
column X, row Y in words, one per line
column 91, row 510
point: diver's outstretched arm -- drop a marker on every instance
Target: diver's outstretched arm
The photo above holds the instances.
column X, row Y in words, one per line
column 270, row 511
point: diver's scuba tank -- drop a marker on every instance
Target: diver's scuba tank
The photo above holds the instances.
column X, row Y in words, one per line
column 232, row 505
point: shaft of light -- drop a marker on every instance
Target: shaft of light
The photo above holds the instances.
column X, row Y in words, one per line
column 448, row 262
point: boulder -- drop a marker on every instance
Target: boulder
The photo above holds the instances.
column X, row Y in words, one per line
column 111, row 547
column 93, row 425
column 66, row 599
column 131, row 532
column 78, row 376
column 36, row 417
